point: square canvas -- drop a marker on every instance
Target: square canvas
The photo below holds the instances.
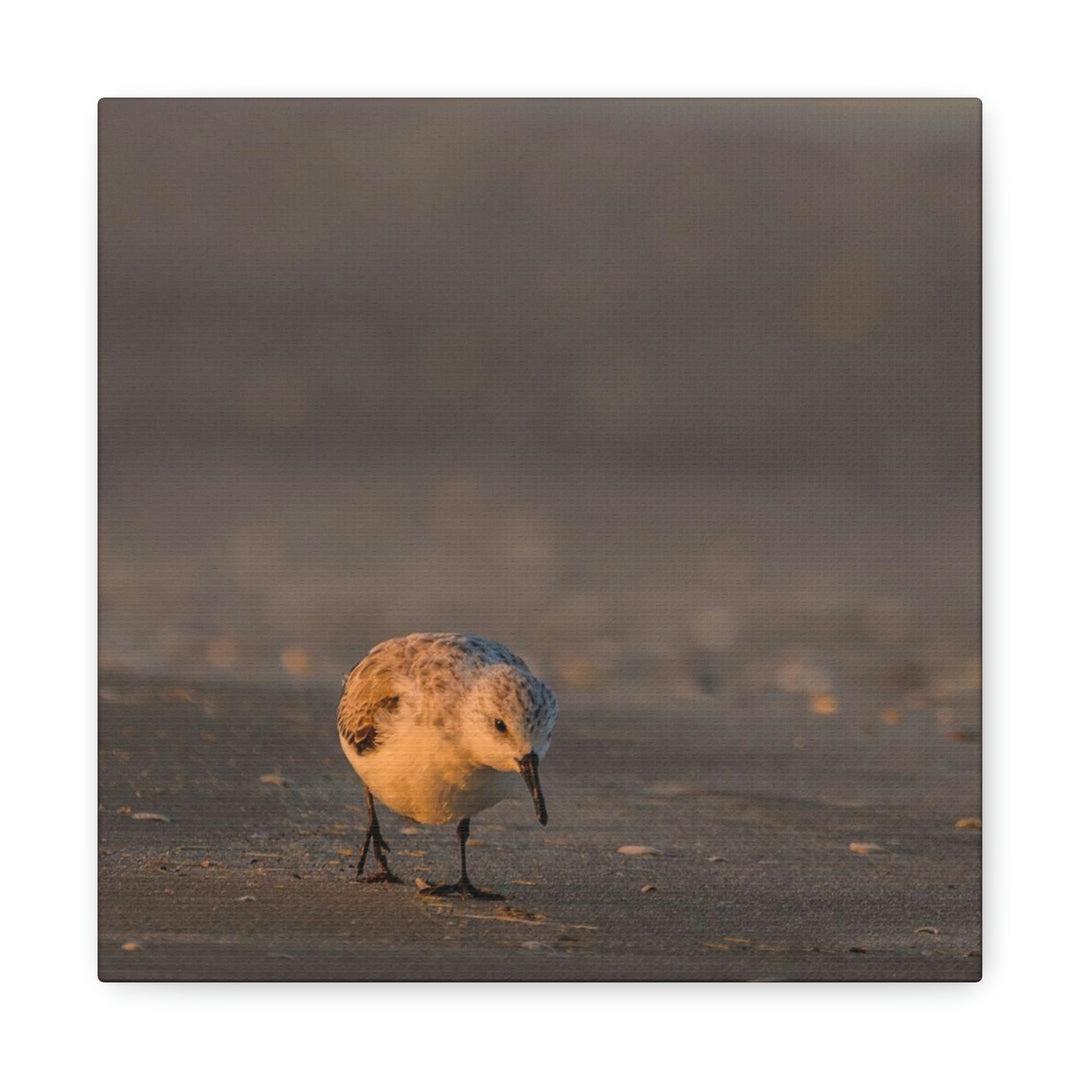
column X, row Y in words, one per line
column 568, row 509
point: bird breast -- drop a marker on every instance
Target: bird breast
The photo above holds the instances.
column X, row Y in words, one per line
column 423, row 779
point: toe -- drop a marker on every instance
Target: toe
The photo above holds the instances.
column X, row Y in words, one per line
column 382, row 877
column 440, row 890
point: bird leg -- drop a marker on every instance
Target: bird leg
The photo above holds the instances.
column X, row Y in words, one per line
column 463, row 888
column 373, row 840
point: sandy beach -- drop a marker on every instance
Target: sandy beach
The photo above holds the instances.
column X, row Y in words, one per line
column 791, row 846
column 678, row 399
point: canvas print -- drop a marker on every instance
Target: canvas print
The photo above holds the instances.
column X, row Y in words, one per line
column 539, row 540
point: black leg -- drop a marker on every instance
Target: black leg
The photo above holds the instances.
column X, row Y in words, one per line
column 463, row 888
column 378, row 846
column 463, row 840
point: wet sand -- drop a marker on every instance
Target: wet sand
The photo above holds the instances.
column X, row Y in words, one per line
column 752, row 803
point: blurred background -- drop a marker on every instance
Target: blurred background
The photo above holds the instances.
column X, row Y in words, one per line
column 678, row 398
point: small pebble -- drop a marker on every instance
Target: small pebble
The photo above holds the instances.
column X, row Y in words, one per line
column 927, row 930
column 717, row 858
column 142, row 815
column 969, row 823
column 638, row 849
column 274, row 778
column 245, row 898
column 131, row 946
column 865, row 849
column 648, row 888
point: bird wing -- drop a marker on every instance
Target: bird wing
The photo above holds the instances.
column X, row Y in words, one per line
column 368, row 698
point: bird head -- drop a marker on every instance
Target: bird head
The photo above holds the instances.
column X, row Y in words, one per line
column 509, row 717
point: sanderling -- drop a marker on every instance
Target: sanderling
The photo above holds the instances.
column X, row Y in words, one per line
column 436, row 725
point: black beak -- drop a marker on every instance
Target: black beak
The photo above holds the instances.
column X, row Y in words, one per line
column 530, row 772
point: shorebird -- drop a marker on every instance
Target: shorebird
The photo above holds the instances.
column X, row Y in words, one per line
column 436, row 726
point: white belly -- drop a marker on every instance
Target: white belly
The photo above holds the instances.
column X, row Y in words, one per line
column 417, row 779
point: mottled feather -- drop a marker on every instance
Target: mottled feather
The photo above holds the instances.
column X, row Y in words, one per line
column 365, row 698
column 417, row 664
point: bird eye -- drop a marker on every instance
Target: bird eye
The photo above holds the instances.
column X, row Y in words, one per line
column 500, row 726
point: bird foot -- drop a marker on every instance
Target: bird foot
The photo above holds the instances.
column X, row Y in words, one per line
column 380, row 877
column 463, row 888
